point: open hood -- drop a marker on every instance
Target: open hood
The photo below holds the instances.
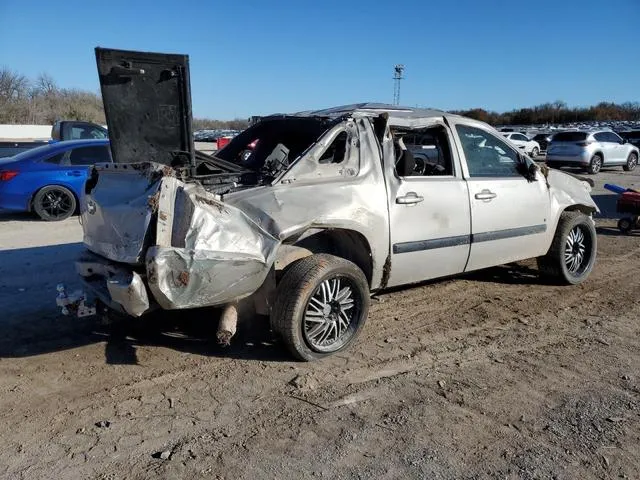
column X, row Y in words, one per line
column 147, row 102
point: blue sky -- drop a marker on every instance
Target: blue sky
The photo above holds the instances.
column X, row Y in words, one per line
column 256, row 57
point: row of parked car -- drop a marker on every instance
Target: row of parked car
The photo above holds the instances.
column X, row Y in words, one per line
column 48, row 179
column 587, row 149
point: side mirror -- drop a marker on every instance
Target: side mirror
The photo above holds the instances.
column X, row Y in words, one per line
column 526, row 169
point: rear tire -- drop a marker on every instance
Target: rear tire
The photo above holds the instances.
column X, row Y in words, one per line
column 321, row 305
column 632, row 162
column 54, row 203
column 535, row 152
column 595, row 165
column 572, row 255
column 625, row 225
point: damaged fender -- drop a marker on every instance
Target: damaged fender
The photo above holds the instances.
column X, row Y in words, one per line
column 567, row 190
column 213, row 254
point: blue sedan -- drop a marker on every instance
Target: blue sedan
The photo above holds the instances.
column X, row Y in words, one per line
column 49, row 180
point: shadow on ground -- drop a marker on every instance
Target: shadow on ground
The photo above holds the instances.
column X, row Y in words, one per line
column 511, row 274
column 6, row 216
column 607, row 205
column 32, row 324
column 192, row 332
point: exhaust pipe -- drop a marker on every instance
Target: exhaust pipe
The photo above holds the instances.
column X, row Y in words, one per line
column 228, row 324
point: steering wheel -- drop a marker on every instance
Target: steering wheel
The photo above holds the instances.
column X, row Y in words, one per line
column 420, row 165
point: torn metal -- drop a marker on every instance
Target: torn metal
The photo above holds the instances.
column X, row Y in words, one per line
column 192, row 247
column 566, row 191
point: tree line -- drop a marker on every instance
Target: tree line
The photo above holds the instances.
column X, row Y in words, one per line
column 41, row 101
column 557, row 112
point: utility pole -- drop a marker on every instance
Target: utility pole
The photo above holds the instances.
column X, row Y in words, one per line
column 397, row 77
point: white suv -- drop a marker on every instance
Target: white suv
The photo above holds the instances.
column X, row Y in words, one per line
column 524, row 143
column 591, row 150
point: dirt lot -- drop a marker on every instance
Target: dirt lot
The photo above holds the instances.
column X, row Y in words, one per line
column 493, row 375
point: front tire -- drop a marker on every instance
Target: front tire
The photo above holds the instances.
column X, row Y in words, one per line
column 321, row 305
column 632, row 162
column 54, row 203
column 595, row 165
column 572, row 255
column 535, row 152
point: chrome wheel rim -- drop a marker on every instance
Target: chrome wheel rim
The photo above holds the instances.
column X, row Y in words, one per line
column 632, row 161
column 331, row 315
column 56, row 203
column 576, row 251
column 597, row 163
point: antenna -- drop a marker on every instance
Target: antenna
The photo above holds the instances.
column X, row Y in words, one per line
column 397, row 76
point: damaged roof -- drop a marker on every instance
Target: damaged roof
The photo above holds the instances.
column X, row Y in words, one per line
column 394, row 111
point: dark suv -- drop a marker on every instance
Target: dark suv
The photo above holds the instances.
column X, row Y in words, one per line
column 543, row 140
column 632, row 136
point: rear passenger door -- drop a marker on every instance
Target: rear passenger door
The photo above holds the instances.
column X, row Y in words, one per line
column 609, row 147
column 78, row 160
column 429, row 211
column 509, row 214
column 618, row 147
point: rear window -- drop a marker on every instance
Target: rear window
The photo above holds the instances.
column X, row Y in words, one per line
column 570, row 136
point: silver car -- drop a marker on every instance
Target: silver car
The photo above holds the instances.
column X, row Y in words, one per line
column 591, row 150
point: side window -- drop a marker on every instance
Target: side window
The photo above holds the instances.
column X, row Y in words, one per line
column 336, row 151
column 428, row 153
column 487, row 156
column 614, row 137
column 55, row 159
column 601, row 137
column 86, row 133
column 89, row 155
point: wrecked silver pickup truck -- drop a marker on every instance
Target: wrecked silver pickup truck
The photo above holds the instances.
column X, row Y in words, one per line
column 328, row 207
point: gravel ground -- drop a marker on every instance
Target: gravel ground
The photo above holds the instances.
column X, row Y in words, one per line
column 492, row 375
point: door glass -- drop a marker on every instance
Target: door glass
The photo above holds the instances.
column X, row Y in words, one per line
column 427, row 153
column 86, row 133
column 487, row 156
column 89, row 155
column 614, row 138
column 55, row 159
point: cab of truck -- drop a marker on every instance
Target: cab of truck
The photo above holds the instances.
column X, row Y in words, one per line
column 77, row 130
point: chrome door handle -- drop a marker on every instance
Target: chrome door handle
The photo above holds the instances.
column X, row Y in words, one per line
column 485, row 195
column 410, row 198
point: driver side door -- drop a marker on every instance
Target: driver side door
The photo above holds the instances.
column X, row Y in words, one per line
column 509, row 214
